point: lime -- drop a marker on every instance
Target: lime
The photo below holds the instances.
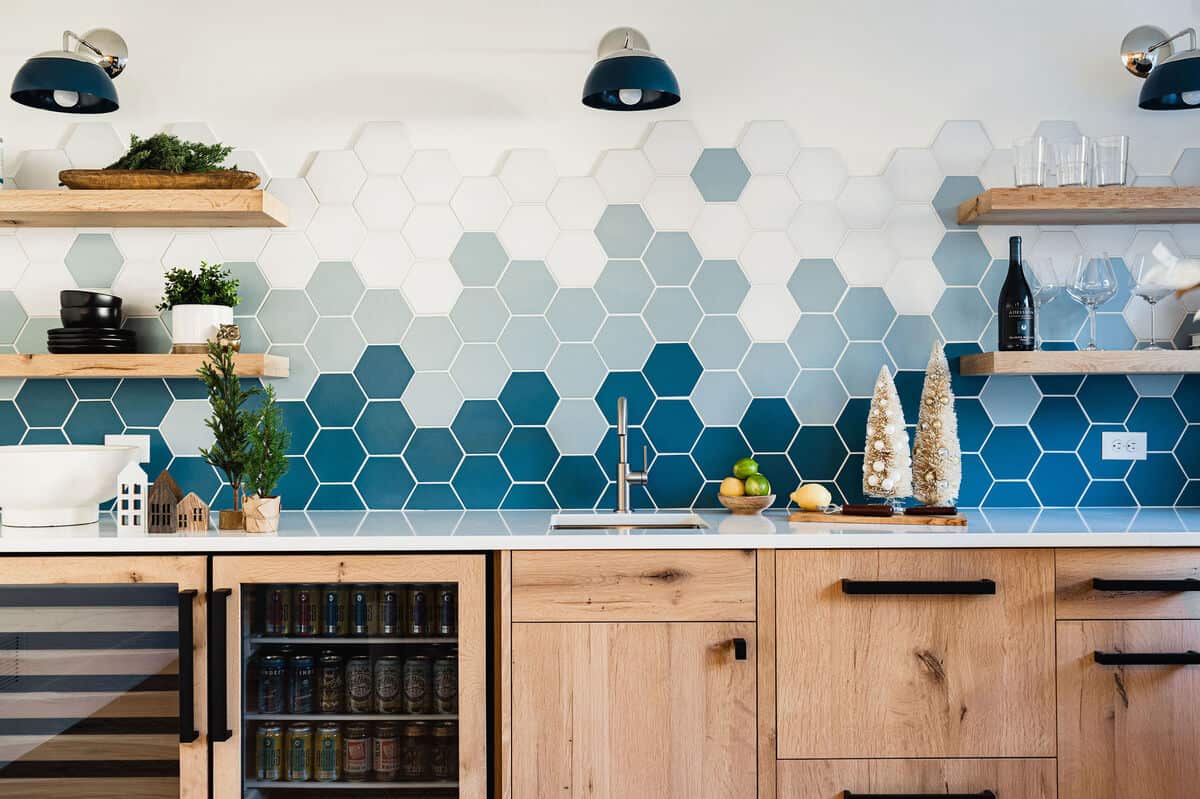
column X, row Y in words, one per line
column 757, row 485
column 745, row 467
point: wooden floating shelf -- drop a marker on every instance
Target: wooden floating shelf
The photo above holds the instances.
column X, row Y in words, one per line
column 105, row 365
column 142, row 208
column 1062, row 362
column 1112, row 205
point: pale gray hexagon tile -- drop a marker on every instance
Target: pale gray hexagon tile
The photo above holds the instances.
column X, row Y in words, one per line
column 577, row 426
column 720, row 286
column 720, row 342
column 183, row 427
column 623, row 231
column 528, row 343
column 817, row 396
column 254, row 338
column 624, row 286
column 383, row 315
column 432, row 399
column 302, row 372
column 479, row 314
column 672, row 314
column 32, row 339
column 817, row 341
column 94, row 260
column 12, row 317
column 527, row 287
column 624, row 343
column 336, row 344
column 287, row 316
column 252, row 286
column 479, row 258
column 720, row 174
column 910, row 340
column 480, row 371
column 576, row 370
column 431, row 343
column 335, row 288
column 575, row 314
column 1010, row 399
column 769, row 369
column 152, row 335
column 859, row 366
column 672, row 258
column 720, row 398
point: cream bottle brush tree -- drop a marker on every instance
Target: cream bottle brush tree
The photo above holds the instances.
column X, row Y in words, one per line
column 887, row 469
column 937, row 459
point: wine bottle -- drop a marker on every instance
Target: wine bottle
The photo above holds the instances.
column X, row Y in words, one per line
column 1015, row 309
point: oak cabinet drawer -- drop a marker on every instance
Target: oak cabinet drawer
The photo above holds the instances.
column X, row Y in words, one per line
column 633, row 585
column 833, row 779
column 1127, row 584
column 915, row 658
column 1128, row 731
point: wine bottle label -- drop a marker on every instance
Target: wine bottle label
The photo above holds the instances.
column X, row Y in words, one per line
column 1018, row 328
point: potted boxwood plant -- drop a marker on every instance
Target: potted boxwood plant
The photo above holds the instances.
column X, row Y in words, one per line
column 266, row 464
column 230, row 426
column 199, row 302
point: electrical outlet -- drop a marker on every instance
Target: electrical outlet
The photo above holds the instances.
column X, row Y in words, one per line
column 1115, row 446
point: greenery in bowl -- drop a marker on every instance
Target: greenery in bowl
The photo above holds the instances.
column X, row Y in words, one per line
column 212, row 285
column 172, row 154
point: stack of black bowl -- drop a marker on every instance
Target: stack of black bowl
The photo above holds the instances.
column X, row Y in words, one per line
column 92, row 324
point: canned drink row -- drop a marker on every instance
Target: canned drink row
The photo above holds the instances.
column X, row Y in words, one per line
column 356, row 752
column 359, row 611
column 332, row 683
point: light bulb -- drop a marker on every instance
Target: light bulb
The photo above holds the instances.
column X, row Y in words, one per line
column 1190, row 98
column 66, row 99
column 630, row 96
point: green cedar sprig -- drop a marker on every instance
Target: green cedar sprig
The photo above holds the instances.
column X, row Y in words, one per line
column 269, row 439
column 164, row 151
column 212, row 285
column 230, row 425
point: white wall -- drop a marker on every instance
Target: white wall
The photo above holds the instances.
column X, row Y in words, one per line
column 287, row 78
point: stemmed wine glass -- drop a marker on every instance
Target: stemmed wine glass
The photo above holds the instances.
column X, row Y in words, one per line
column 1147, row 286
column 1093, row 283
column 1046, row 285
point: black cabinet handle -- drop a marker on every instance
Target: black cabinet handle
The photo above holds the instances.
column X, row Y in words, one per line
column 218, row 662
column 1185, row 584
column 921, row 587
column 187, row 669
column 1188, row 658
column 739, row 649
column 979, row 795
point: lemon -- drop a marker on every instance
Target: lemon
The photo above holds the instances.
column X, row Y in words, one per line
column 745, row 467
column 732, row 487
column 811, row 496
column 757, row 486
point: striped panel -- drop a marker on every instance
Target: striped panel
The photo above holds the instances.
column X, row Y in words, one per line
column 116, row 788
column 88, row 747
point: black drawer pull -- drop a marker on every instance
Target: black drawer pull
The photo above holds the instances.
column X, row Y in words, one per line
column 1185, row 584
column 1188, row 658
column 739, row 649
column 979, row 795
column 920, row 587
column 218, row 661
column 187, row 670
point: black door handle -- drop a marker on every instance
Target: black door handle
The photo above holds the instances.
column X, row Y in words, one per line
column 1185, row 584
column 739, row 649
column 919, row 587
column 1188, row 658
column 218, row 662
column 979, row 795
column 187, row 669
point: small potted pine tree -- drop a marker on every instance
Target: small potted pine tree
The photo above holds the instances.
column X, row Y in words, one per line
column 230, row 426
column 266, row 465
column 199, row 302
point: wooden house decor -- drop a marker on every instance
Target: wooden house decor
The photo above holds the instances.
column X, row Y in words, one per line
column 163, row 501
column 132, row 488
column 191, row 514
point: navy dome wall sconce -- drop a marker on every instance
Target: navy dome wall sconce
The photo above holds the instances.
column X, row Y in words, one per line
column 1172, row 76
column 627, row 76
column 74, row 81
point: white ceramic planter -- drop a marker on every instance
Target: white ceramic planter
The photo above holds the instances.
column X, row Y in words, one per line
column 197, row 324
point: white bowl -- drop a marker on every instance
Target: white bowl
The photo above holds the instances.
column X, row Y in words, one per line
column 58, row 485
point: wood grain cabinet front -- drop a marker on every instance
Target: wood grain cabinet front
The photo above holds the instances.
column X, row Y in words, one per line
column 1127, row 583
column 915, row 654
column 897, row 779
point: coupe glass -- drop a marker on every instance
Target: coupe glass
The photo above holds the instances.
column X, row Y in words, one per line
column 1045, row 284
column 1093, row 282
column 1146, row 286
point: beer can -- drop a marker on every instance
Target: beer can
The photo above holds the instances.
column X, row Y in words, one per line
column 447, row 611
column 268, row 754
column 414, row 752
column 445, row 684
column 417, row 685
column 301, row 670
column 385, row 752
column 418, row 611
column 388, row 695
column 331, row 683
column 272, row 671
column 305, row 611
column 359, row 684
column 329, row 752
column 278, row 611
column 390, row 600
column 356, row 753
column 361, row 611
column 299, row 752
column 443, row 751
column 333, row 610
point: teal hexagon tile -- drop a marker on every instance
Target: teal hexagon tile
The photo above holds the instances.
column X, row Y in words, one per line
column 300, row 424
column 529, row 496
column 252, row 287
column 12, row 426
column 720, row 398
column 45, row 403
column 672, row 314
column 433, row 455
column 383, row 372
column 527, row 343
column 717, row 449
column 194, row 474
column 769, row 425
column 1010, row 452
column 334, row 497
column 383, row 315
column 720, row 174
column 624, row 343
column 575, row 314
column 142, row 403
column 1010, row 494
column 576, row 370
column 769, row 368
column 1112, row 333
column 297, row 485
column 817, row 452
column 720, row 286
column 962, row 314
column 335, row 456
column 335, row 288
column 1107, row 494
column 633, row 387
column 1157, row 480
column 672, row 370
column 720, row 342
column 480, row 371
column 529, row 453
column 431, row 343
column 778, row 470
column 576, row 425
column 1010, row 399
column 1159, row 419
column 817, row 341
column 41, row 435
column 479, row 259
column 95, row 388
column 479, row 314
column 910, row 340
column 866, row 313
column 91, row 421
column 302, row 373
column 528, row 398
column 1059, row 424
column 335, row 344
column 527, row 287
column 672, row 258
column 677, row 482
column 577, row 482
column 481, row 482
column 94, row 260
column 287, row 316
column 12, row 317
column 954, row 191
column 384, row 483
column 384, row 427
column 624, row 286
column 962, row 259
column 336, row 400
column 152, row 334
column 817, row 285
column 623, row 231
column 432, row 399
column 859, row 367
column 481, row 426
column 33, row 336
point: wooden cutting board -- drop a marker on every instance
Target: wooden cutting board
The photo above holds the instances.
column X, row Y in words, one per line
column 157, row 179
column 957, row 520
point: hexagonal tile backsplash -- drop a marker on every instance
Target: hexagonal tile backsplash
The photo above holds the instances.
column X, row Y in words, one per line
column 459, row 341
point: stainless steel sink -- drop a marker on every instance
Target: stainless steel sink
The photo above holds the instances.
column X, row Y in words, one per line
column 627, row 521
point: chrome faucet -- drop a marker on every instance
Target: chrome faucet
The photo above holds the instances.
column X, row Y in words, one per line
column 626, row 476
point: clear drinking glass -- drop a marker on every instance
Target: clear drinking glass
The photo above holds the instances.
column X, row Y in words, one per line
column 1112, row 160
column 1073, row 160
column 1093, row 283
column 1147, row 286
column 1045, row 284
column 1029, row 161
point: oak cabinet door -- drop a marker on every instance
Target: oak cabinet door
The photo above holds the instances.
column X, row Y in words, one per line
column 1128, row 731
column 612, row 711
column 828, row 779
column 879, row 669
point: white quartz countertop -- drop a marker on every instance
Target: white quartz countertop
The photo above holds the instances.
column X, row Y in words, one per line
column 433, row 531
